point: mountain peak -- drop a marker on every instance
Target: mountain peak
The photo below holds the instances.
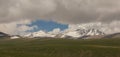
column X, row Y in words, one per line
column 83, row 32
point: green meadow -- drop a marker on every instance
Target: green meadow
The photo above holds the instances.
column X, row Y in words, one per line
column 60, row 48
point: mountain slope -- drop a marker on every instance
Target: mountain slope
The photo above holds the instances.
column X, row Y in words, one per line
column 40, row 34
column 3, row 34
column 76, row 31
column 82, row 32
column 72, row 33
column 115, row 35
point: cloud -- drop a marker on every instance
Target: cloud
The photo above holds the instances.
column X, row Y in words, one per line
column 63, row 11
column 107, row 28
column 19, row 27
column 112, row 27
column 81, row 11
column 13, row 10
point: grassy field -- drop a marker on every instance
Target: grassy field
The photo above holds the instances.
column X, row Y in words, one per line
column 59, row 48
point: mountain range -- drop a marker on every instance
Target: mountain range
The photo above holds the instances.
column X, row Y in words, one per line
column 90, row 34
column 75, row 34
column 85, row 31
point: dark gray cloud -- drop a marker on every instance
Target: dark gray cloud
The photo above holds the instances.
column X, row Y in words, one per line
column 63, row 11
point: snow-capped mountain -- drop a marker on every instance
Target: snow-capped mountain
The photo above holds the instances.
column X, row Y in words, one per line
column 82, row 32
column 77, row 31
column 39, row 34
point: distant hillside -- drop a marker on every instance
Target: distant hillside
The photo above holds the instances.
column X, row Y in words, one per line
column 2, row 34
column 115, row 35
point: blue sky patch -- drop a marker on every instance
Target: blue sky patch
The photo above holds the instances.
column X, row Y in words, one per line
column 48, row 25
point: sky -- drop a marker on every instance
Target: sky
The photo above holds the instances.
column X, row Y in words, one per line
column 48, row 25
column 24, row 16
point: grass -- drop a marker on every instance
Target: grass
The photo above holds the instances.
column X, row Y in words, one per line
column 59, row 48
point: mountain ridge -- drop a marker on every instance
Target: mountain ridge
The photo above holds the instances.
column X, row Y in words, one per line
column 77, row 33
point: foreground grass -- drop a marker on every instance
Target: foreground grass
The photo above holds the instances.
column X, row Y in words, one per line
column 59, row 48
